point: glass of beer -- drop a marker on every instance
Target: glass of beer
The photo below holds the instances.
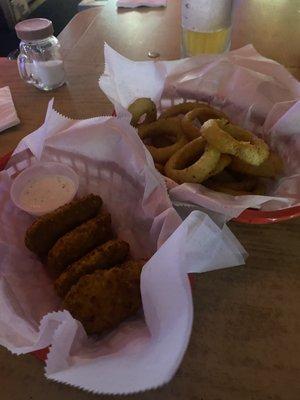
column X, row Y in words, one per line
column 206, row 26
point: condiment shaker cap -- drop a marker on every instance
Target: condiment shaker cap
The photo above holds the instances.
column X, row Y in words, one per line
column 34, row 29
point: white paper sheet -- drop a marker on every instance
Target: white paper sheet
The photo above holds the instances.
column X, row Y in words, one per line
column 255, row 92
column 8, row 113
column 111, row 161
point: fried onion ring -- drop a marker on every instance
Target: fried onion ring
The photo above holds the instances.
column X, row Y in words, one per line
column 181, row 108
column 260, row 189
column 270, row 168
column 226, row 139
column 160, row 168
column 238, row 133
column 223, row 162
column 235, row 188
column 141, row 107
column 192, row 163
column 162, row 140
column 223, row 176
column 202, row 114
column 167, row 127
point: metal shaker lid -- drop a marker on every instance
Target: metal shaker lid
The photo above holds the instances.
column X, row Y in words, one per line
column 34, row 29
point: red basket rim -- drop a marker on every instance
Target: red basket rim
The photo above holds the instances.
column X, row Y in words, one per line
column 4, row 160
column 252, row 216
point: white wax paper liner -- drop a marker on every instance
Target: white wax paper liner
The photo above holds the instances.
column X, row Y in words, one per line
column 8, row 113
column 253, row 91
column 141, row 356
column 111, row 161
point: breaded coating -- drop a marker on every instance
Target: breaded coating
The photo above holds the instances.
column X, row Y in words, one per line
column 103, row 257
column 102, row 300
column 136, row 265
column 46, row 230
column 78, row 242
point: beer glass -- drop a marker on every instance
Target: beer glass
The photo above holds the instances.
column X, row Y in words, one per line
column 206, row 26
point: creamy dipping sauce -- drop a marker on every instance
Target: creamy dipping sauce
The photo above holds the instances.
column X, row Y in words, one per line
column 47, row 192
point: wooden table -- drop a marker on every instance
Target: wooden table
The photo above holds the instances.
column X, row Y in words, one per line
column 246, row 337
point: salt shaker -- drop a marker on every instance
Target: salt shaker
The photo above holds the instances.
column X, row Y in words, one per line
column 40, row 62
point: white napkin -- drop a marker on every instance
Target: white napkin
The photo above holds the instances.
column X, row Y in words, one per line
column 140, row 3
column 8, row 114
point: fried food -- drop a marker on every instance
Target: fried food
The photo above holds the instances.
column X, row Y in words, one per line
column 235, row 131
column 223, row 176
column 78, row 242
column 193, row 163
column 270, row 168
column 101, row 289
column 247, row 184
column 46, row 230
column 223, row 162
column 140, row 107
column 236, row 184
column 160, row 168
column 208, row 146
column 260, row 188
column 202, row 114
column 181, row 108
column 161, row 141
column 164, row 127
column 102, row 257
column 223, row 188
column 225, row 137
column 103, row 299
column 228, row 188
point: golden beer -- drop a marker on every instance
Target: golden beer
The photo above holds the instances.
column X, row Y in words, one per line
column 206, row 26
column 195, row 43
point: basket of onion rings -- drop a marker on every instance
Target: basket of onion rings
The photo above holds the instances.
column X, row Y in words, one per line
column 195, row 143
column 222, row 130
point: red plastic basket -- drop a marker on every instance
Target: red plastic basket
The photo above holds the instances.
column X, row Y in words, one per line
column 248, row 216
column 42, row 353
column 252, row 216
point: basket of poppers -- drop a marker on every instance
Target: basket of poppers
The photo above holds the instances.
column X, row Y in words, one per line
column 94, row 260
column 223, row 130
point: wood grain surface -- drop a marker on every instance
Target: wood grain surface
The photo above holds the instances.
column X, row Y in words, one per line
column 245, row 343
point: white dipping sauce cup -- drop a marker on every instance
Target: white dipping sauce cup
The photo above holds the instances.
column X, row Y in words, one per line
column 37, row 171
